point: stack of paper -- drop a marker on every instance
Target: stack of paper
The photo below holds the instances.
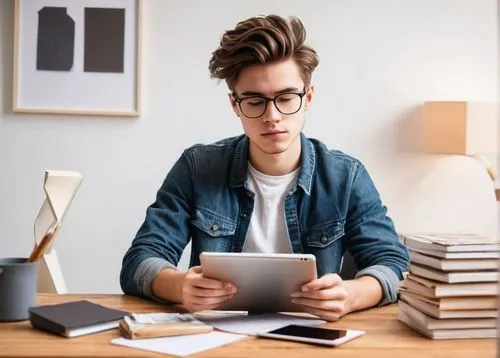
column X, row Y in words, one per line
column 451, row 290
column 235, row 326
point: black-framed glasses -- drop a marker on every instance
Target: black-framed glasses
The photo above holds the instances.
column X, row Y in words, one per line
column 255, row 106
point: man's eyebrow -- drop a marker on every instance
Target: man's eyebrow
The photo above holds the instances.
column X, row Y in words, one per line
column 285, row 90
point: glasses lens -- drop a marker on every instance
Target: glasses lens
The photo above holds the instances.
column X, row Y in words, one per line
column 253, row 107
column 288, row 103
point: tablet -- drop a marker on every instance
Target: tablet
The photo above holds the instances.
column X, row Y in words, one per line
column 264, row 282
column 315, row 335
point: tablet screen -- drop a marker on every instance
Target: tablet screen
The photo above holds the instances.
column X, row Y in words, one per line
column 311, row 332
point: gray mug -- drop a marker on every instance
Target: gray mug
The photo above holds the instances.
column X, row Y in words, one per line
column 17, row 288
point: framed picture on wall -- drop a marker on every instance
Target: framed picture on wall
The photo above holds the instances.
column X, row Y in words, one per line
column 77, row 57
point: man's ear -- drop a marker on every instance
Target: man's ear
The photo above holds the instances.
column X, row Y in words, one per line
column 309, row 96
column 233, row 104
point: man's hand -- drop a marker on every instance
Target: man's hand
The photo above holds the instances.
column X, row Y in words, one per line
column 200, row 293
column 326, row 297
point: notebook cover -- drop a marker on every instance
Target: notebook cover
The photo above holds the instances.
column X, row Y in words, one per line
column 64, row 317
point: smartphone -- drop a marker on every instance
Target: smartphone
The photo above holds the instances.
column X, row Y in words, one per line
column 315, row 335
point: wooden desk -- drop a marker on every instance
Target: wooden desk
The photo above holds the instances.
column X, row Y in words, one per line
column 385, row 337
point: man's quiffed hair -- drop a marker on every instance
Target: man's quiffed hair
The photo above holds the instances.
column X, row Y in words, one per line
column 262, row 40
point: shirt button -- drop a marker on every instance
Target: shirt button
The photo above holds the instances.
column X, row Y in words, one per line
column 215, row 227
column 243, row 215
column 250, row 194
column 324, row 239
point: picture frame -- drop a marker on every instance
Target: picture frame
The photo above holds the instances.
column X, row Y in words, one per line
column 77, row 57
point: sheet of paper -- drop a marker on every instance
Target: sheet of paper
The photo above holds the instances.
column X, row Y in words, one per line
column 181, row 345
column 253, row 324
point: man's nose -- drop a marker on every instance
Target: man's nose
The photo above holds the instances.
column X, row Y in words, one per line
column 271, row 114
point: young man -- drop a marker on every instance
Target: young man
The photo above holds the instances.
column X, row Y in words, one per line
column 271, row 190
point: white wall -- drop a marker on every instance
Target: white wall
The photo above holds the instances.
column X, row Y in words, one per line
column 379, row 59
column 497, row 184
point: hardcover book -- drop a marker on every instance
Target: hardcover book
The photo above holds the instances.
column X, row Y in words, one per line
column 75, row 318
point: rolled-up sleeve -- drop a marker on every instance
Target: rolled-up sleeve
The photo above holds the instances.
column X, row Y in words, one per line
column 387, row 279
column 146, row 273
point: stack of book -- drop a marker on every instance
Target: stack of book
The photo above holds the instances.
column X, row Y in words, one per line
column 451, row 290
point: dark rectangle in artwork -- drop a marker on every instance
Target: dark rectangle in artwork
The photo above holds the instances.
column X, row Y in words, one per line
column 55, row 39
column 104, row 40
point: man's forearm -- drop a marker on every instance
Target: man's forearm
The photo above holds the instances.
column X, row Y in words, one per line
column 363, row 292
column 168, row 285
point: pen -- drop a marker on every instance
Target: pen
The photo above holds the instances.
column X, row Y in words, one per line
column 40, row 249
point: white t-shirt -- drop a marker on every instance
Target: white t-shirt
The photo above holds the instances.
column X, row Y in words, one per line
column 268, row 232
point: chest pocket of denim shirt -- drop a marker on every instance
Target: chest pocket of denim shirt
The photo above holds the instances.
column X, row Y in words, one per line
column 325, row 242
column 214, row 231
column 323, row 235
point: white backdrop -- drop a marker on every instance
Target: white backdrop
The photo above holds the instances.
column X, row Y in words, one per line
column 379, row 59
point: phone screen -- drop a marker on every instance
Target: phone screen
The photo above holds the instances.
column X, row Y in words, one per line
column 311, row 332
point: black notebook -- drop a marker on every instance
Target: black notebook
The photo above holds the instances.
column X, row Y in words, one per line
column 75, row 318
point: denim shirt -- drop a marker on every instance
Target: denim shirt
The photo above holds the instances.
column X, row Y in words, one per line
column 333, row 208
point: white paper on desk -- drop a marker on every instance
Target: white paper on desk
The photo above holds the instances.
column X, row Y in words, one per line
column 181, row 345
column 254, row 324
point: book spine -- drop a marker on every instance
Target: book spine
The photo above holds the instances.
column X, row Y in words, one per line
column 45, row 325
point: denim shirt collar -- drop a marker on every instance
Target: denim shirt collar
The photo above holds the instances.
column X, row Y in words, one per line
column 239, row 166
